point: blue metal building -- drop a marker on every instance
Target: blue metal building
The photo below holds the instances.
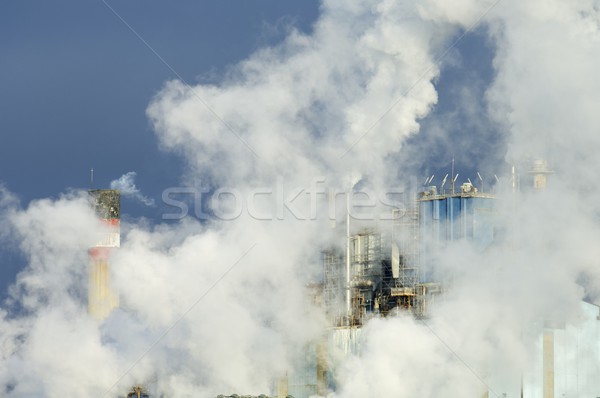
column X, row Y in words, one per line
column 467, row 215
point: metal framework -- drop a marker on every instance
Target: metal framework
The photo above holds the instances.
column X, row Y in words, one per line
column 366, row 274
column 406, row 292
column 385, row 274
column 333, row 286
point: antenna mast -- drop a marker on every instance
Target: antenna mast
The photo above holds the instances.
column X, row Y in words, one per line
column 443, row 183
column 452, row 179
column 514, row 179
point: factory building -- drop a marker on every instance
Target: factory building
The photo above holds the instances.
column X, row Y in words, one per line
column 102, row 300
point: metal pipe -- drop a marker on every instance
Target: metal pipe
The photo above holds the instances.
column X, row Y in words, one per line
column 348, row 309
column 514, row 179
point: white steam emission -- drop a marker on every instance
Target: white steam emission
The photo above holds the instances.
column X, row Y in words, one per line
column 232, row 302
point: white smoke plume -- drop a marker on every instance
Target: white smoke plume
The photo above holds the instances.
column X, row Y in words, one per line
column 231, row 294
column 126, row 185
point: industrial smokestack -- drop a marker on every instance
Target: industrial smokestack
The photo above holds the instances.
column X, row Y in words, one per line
column 101, row 299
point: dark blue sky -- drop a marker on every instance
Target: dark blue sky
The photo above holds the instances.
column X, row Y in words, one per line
column 76, row 81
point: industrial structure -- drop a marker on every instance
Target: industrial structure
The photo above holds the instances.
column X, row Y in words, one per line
column 101, row 298
column 385, row 274
column 466, row 215
column 376, row 274
column 380, row 274
column 567, row 358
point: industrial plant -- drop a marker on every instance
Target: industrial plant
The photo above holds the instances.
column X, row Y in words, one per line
column 382, row 275
column 376, row 273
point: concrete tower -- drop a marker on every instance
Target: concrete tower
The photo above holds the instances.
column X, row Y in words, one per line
column 101, row 298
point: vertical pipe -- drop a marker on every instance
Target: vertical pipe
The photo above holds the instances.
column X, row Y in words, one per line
column 548, row 364
column 322, row 367
column 282, row 386
column 450, row 221
column 348, row 309
column 452, row 179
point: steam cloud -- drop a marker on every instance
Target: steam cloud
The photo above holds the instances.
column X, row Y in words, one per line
column 126, row 185
column 292, row 111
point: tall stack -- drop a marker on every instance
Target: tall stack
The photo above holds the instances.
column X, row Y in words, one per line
column 101, row 298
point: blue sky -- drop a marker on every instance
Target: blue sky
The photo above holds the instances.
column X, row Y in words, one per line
column 76, row 82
